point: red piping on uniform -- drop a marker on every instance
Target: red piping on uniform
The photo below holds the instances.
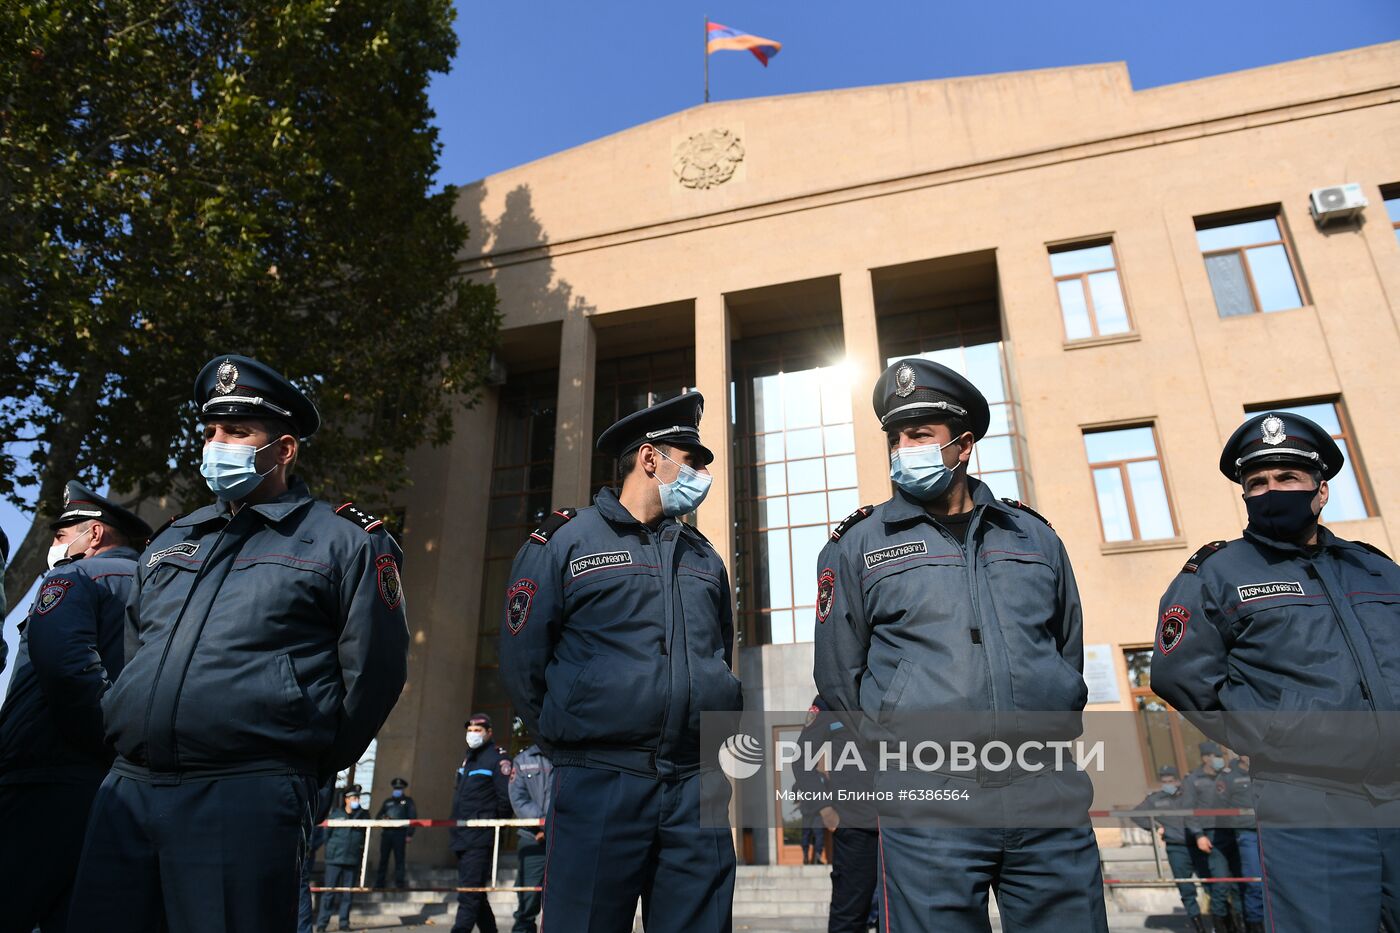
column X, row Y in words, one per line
column 884, row 878
column 1264, row 880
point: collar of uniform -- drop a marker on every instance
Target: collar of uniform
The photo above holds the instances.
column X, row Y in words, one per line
column 612, row 509
column 124, row 552
column 904, row 508
column 296, row 497
column 1325, row 539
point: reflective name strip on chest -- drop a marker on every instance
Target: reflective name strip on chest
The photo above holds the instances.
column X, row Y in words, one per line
column 1261, row 590
column 884, row 555
column 183, row 549
column 587, row 564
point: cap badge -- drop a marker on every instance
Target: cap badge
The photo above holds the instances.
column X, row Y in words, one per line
column 904, row 380
column 225, row 378
column 1273, row 431
column 66, row 497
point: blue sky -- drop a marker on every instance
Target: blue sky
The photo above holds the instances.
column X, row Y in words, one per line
column 534, row 78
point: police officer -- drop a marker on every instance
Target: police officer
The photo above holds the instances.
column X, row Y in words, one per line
column 266, row 644
column 397, row 806
column 345, row 852
column 616, row 635
column 1212, row 841
column 1172, row 831
column 944, row 598
column 482, row 793
column 1292, row 619
column 1239, row 795
column 52, row 753
column 531, row 779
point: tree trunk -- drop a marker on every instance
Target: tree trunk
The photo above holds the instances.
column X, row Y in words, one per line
column 64, row 447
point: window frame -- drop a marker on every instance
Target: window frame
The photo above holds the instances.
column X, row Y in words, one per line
column 1250, row 215
column 1348, row 436
column 1391, row 192
column 1127, row 485
column 1183, row 760
column 1117, row 268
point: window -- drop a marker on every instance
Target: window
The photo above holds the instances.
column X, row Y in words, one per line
column 796, row 476
column 1091, row 297
column 1128, row 480
column 522, row 480
column 630, row 384
column 1166, row 734
column 1249, row 265
column 1348, row 497
column 1391, row 194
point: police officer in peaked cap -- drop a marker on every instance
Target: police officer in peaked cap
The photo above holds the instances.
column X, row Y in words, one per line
column 266, row 644
column 482, row 791
column 616, row 635
column 946, row 599
column 52, row 752
column 1282, row 643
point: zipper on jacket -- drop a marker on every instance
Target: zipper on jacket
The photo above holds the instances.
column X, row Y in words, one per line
column 971, row 555
column 1346, row 637
column 655, row 551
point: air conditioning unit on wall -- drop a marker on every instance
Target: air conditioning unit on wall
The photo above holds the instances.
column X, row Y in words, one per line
column 1337, row 202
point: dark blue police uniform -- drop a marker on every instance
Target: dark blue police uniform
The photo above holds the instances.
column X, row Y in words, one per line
column 1181, row 851
column 913, row 617
column 392, row 841
column 1202, row 790
column 345, row 850
column 616, row 636
column 1256, row 632
column 482, row 792
column 265, row 648
column 52, row 753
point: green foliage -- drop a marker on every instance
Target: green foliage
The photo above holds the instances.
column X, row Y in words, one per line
column 180, row 179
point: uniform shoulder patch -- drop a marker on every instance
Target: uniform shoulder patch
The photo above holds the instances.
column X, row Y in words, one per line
column 1193, row 564
column 1018, row 504
column 1375, row 550
column 350, row 512
column 850, row 521
column 552, row 523
column 51, row 594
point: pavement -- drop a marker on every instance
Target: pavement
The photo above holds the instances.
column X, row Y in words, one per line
column 1117, row 923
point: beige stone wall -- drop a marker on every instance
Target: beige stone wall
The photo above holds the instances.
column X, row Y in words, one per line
column 845, row 182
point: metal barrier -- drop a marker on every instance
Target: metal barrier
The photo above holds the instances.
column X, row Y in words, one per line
column 368, row 825
column 1152, row 816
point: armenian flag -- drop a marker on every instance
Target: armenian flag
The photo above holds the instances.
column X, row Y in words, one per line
column 722, row 38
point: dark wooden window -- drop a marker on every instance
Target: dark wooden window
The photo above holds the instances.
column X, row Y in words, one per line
column 1251, row 265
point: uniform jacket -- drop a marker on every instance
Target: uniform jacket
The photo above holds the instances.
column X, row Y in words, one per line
column 270, row 641
column 1201, row 791
column 345, row 846
column 1266, row 629
column 70, row 651
column 827, row 729
column 530, row 787
column 616, row 637
column 482, row 792
column 1174, row 825
column 1239, row 794
column 398, row 808
column 909, row 620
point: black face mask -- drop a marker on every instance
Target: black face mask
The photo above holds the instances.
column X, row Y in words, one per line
column 1281, row 514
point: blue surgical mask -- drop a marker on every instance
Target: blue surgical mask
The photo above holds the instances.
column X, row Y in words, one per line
column 684, row 494
column 231, row 470
column 397, row 792
column 1169, row 789
column 354, row 805
column 920, row 471
column 1217, row 763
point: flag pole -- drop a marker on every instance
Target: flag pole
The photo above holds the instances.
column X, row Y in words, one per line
column 707, row 58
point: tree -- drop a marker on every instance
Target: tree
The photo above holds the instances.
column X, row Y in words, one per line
column 181, row 178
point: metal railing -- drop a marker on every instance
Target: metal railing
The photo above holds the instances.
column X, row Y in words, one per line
column 368, row 825
column 1153, row 817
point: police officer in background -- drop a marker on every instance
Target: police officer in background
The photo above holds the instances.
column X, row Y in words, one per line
column 345, row 852
column 1212, row 841
column 1290, row 619
column 265, row 646
column 1239, row 795
column 944, row 598
column 1181, row 854
column 52, row 753
column 397, row 806
column 617, row 634
column 531, row 780
column 482, row 793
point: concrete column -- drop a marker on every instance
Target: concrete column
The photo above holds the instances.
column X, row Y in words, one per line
column 712, row 377
column 864, row 364
column 573, row 430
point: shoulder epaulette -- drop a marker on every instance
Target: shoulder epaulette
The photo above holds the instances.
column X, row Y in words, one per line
column 697, row 532
column 1018, row 504
column 552, row 523
column 1375, row 550
column 349, row 512
column 850, row 521
column 1198, row 558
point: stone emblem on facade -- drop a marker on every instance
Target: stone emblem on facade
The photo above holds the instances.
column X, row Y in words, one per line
column 707, row 159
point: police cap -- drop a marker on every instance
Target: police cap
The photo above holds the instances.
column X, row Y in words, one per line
column 1209, row 748
column 1167, row 771
column 1277, row 439
column 352, row 791
column 675, row 421
column 81, row 504
column 231, row 386
column 398, row 783
column 917, row 389
column 477, row 719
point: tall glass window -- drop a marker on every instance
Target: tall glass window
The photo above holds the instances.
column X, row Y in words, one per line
column 1091, row 296
column 631, row 383
column 522, row 479
column 1348, row 495
column 1391, row 194
column 1249, row 264
column 795, row 475
column 1129, row 484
